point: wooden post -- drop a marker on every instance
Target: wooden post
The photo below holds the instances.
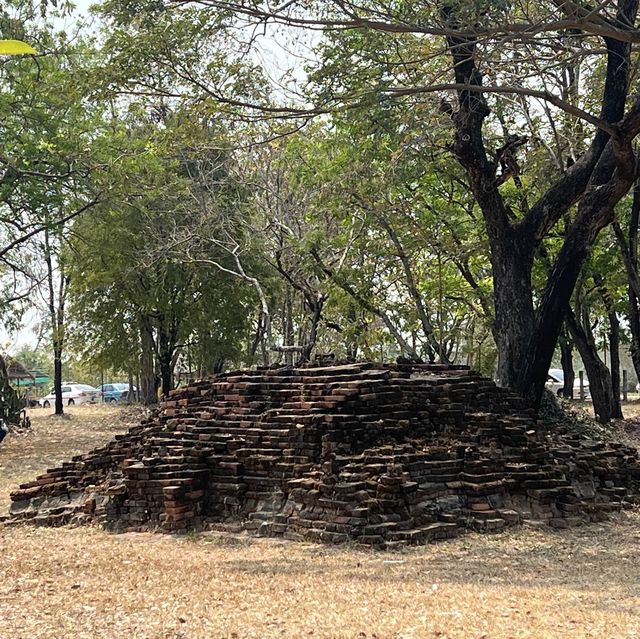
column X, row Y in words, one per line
column 581, row 374
column 624, row 385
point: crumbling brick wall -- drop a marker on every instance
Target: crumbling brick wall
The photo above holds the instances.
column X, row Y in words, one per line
column 384, row 455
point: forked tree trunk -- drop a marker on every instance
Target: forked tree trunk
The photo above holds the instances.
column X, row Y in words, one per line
column 597, row 181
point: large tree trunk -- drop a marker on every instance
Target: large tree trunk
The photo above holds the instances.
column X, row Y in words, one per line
column 597, row 182
column 514, row 313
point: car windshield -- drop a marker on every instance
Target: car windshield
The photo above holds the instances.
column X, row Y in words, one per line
column 556, row 373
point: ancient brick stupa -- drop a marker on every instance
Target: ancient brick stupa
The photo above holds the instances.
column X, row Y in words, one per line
column 384, row 455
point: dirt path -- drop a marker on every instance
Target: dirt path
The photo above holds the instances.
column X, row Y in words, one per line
column 86, row 584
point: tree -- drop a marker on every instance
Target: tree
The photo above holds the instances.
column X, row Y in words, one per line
column 404, row 232
column 42, row 143
column 137, row 301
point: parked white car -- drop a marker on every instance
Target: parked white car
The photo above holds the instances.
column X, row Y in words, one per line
column 72, row 394
column 555, row 383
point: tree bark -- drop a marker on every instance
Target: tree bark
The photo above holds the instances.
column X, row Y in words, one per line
column 165, row 358
column 147, row 389
column 56, row 304
column 614, row 349
column 598, row 374
column 566, row 359
column 515, row 320
column 57, row 380
column 614, row 346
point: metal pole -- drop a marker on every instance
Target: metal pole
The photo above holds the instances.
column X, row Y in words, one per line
column 581, row 374
column 624, row 385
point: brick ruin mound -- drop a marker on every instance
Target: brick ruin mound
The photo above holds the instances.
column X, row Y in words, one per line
column 384, row 455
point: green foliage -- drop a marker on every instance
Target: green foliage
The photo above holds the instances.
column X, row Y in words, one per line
column 11, row 404
column 383, row 193
column 126, row 263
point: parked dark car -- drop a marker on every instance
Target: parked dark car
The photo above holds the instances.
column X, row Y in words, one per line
column 114, row 393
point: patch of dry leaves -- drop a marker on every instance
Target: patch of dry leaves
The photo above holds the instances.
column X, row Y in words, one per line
column 84, row 583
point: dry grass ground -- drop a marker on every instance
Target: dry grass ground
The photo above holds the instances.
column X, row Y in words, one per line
column 84, row 583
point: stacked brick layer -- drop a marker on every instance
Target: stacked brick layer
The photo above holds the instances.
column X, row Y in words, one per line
column 382, row 455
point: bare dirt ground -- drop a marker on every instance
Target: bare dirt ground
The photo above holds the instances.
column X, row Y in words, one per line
column 86, row 584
